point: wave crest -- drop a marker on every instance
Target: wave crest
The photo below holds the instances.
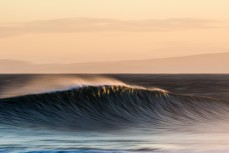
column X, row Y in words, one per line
column 107, row 106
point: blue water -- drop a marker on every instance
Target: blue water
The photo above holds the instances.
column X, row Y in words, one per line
column 21, row 140
column 197, row 120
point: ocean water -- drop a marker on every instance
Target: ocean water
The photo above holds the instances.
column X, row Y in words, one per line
column 114, row 113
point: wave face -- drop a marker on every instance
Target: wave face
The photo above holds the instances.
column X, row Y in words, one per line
column 108, row 107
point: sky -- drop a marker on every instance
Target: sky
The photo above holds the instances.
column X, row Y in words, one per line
column 76, row 31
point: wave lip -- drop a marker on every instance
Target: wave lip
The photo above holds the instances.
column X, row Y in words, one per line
column 106, row 107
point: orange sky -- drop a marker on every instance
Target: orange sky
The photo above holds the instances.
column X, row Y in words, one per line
column 66, row 31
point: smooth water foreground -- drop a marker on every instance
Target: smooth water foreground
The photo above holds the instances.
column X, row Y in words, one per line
column 20, row 140
column 191, row 117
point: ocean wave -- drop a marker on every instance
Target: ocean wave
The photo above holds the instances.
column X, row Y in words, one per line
column 102, row 107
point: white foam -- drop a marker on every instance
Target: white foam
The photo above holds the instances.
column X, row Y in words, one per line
column 45, row 84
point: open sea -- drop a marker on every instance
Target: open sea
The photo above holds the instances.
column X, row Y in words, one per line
column 116, row 113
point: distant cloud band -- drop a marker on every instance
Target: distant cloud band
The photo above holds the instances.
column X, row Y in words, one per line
column 73, row 25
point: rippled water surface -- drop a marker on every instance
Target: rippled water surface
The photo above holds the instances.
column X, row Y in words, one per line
column 114, row 113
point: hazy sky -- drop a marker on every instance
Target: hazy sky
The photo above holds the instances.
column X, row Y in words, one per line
column 66, row 31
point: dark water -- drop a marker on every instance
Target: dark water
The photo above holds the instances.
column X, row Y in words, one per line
column 114, row 113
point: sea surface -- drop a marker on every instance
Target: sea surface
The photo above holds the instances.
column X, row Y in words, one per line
column 118, row 113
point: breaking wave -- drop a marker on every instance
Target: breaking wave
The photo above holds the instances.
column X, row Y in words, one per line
column 108, row 107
